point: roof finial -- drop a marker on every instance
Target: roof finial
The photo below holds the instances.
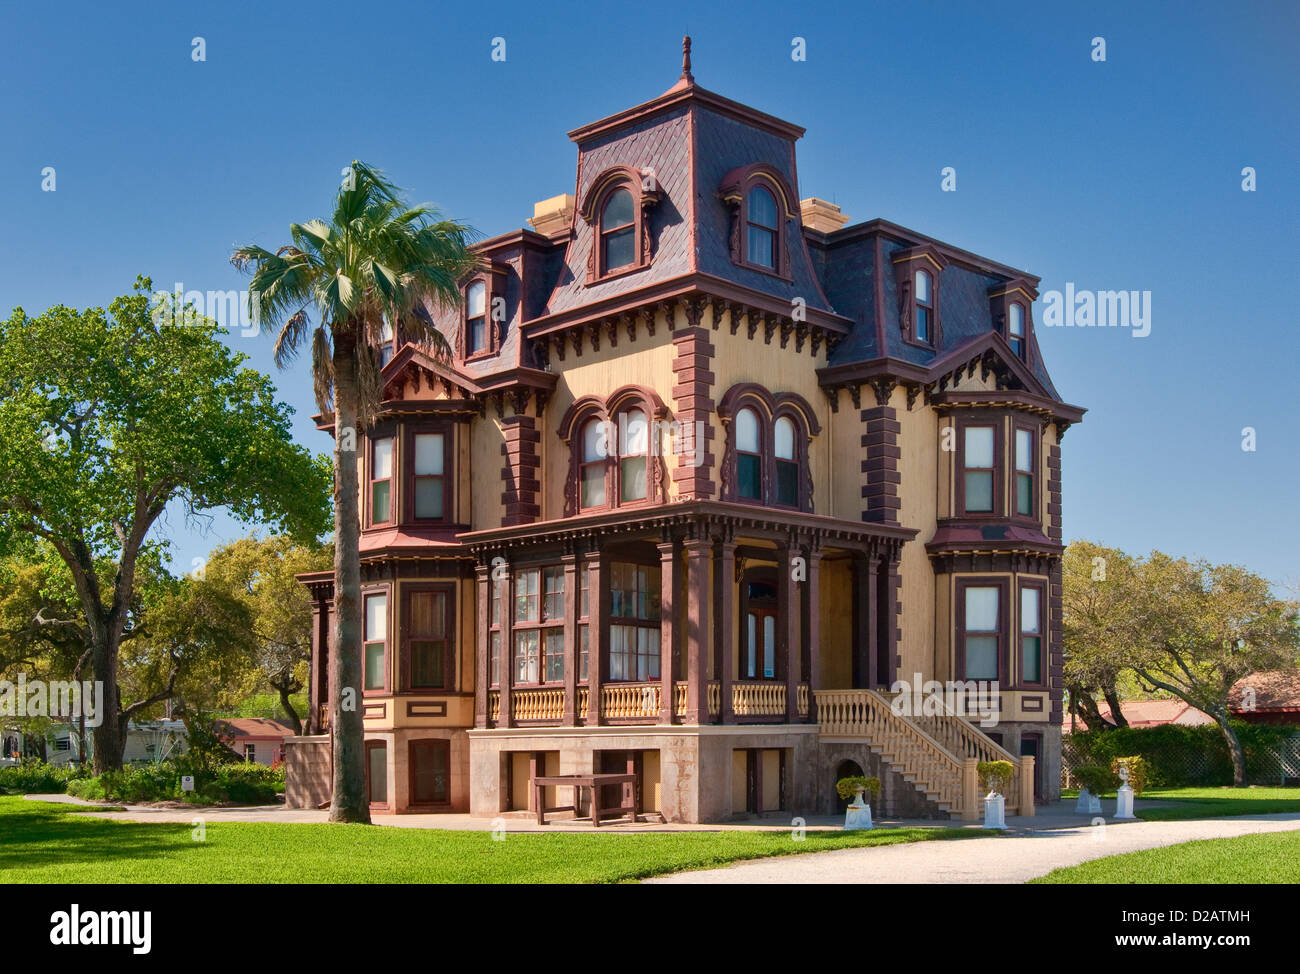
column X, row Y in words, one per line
column 686, row 60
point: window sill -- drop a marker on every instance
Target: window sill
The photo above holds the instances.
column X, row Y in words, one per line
column 616, row 274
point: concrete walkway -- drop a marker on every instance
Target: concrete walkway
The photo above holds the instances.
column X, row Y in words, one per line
column 1014, row 858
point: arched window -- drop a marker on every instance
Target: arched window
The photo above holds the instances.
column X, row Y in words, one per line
column 787, row 462
column 592, row 469
column 924, row 307
column 761, row 227
column 749, row 456
column 617, row 232
column 476, row 337
column 1016, row 329
column 633, row 450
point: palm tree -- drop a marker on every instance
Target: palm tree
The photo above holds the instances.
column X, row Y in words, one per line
column 376, row 261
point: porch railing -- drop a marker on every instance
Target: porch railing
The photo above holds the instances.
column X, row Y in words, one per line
column 758, row 699
column 622, row 700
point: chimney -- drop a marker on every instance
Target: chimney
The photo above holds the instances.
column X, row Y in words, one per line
column 553, row 216
column 820, row 215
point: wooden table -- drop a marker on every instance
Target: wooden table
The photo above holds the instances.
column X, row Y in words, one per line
column 593, row 783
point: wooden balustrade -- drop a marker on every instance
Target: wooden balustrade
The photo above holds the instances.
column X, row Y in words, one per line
column 758, row 699
column 715, row 698
column 541, row 704
column 679, row 699
column 494, row 705
column 623, row 700
column 801, row 700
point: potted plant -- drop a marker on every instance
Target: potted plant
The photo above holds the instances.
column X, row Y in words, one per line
column 858, row 814
column 996, row 777
column 1093, row 780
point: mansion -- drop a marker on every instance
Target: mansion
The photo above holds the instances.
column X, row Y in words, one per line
column 710, row 469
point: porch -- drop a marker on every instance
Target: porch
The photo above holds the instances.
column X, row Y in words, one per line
column 690, row 614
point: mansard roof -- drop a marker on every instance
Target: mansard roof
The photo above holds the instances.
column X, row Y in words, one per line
column 694, row 150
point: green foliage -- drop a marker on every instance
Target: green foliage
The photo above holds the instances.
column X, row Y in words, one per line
column 1178, row 755
column 205, row 751
column 32, row 777
column 1097, row 779
column 850, row 786
column 995, row 775
column 1137, row 771
column 242, row 783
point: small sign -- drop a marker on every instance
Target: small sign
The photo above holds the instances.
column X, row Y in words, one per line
column 187, row 782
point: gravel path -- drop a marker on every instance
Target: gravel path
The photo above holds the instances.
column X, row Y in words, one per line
column 1005, row 859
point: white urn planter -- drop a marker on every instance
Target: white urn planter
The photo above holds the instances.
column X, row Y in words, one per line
column 1088, row 803
column 1124, row 798
column 858, row 814
column 995, row 811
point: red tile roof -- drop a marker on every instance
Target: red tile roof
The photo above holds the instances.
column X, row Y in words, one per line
column 1149, row 713
column 253, row 728
column 1274, row 690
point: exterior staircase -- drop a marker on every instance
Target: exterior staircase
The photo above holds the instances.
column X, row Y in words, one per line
column 937, row 754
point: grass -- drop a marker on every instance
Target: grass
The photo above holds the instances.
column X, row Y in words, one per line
column 1209, row 802
column 1271, row 857
column 43, row 842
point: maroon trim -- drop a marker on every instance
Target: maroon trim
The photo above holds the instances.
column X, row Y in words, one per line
column 645, row 193
column 385, row 589
column 1035, row 431
column 572, row 426
column 906, row 263
column 370, row 746
column 407, row 457
column 368, row 514
column 768, row 408
column 734, row 192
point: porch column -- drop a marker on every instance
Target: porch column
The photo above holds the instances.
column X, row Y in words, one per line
column 812, row 622
column 724, row 629
column 892, row 582
column 788, row 626
column 597, row 632
column 698, row 634
column 506, row 719
column 667, row 628
column 482, row 646
column 318, row 689
column 572, row 595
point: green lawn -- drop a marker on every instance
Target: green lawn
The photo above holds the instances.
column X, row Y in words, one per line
column 1272, row 857
column 43, row 842
column 1215, row 802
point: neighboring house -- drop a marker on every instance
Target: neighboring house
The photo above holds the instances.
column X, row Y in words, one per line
column 1272, row 697
column 1145, row 713
column 255, row 738
column 707, row 473
column 146, row 742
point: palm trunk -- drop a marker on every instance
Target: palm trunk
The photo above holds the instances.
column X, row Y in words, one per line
column 349, row 802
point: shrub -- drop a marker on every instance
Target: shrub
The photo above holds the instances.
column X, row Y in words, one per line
column 34, row 777
column 995, row 775
column 1181, row 756
column 849, row 787
column 1137, row 771
column 1097, row 779
column 91, row 789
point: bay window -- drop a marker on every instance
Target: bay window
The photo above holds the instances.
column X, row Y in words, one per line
column 980, row 609
column 979, row 469
column 375, row 625
column 1025, row 464
column 1031, row 634
column 428, row 650
column 381, row 480
column 429, row 461
column 539, row 625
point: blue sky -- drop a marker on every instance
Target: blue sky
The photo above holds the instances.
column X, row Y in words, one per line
column 1117, row 175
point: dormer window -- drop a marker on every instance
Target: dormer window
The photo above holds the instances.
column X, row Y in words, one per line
column 615, row 208
column 476, row 337
column 617, row 231
column 762, row 205
column 760, row 247
column 917, row 275
column 924, row 307
column 1016, row 328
